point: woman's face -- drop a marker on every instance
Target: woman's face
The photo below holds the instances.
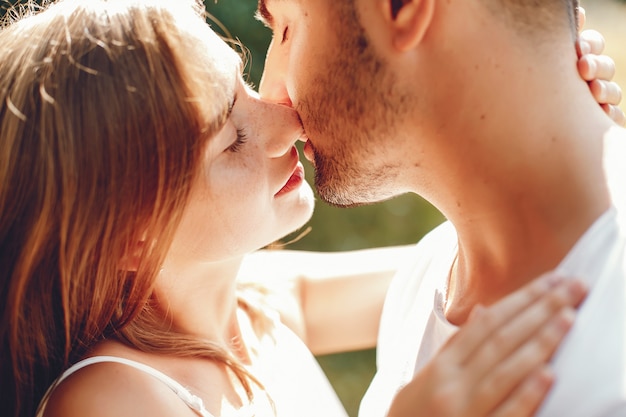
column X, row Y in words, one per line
column 251, row 189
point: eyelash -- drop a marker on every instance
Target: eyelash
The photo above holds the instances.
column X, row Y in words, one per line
column 242, row 138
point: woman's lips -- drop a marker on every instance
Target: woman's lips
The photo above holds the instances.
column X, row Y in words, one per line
column 294, row 181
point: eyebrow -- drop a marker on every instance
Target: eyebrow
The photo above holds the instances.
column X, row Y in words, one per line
column 263, row 14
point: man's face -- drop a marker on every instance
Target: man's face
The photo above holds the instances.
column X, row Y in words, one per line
column 322, row 62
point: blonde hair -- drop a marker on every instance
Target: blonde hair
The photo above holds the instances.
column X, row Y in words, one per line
column 101, row 136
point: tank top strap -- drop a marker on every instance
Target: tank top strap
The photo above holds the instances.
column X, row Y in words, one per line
column 194, row 402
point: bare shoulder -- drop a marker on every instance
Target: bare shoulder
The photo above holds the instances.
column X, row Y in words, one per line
column 112, row 389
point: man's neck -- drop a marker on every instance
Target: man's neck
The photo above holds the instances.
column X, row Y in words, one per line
column 518, row 220
column 527, row 179
column 507, row 143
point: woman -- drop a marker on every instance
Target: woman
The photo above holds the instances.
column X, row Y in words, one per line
column 137, row 171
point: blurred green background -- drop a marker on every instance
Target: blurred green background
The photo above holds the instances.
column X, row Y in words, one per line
column 400, row 221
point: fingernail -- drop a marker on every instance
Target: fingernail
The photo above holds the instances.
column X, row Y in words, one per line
column 577, row 288
column 546, row 374
column 566, row 319
column 477, row 312
column 553, row 279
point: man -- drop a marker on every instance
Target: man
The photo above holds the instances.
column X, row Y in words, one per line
column 477, row 106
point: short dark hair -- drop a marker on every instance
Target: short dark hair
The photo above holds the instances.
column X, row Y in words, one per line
column 538, row 16
column 527, row 14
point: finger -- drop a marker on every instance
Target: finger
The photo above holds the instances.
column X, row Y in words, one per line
column 526, row 327
column 582, row 18
column 473, row 334
column 615, row 113
column 594, row 39
column 510, row 372
column 593, row 67
column 606, row 92
column 614, row 93
column 484, row 321
column 526, row 399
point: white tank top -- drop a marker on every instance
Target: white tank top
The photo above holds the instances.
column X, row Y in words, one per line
column 194, row 402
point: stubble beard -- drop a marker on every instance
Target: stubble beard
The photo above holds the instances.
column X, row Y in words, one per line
column 354, row 106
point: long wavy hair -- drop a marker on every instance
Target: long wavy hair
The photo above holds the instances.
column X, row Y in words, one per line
column 101, row 135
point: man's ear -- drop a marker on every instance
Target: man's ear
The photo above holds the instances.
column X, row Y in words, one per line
column 409, row 20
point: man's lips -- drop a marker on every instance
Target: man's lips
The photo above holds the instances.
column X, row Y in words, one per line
column 308, row 151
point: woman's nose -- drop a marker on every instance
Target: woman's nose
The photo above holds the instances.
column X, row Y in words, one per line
column 284, row 129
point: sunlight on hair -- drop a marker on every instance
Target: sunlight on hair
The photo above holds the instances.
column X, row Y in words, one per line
column 235, row 43
column 12, row 12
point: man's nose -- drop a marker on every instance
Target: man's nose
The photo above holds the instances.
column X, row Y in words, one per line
column 273, row 87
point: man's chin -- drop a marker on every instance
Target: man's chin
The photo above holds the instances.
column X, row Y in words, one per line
column 338, row 185
column 337, row 196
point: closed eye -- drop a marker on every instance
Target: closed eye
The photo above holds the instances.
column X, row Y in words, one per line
column 285, row 35
column 242, row 138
